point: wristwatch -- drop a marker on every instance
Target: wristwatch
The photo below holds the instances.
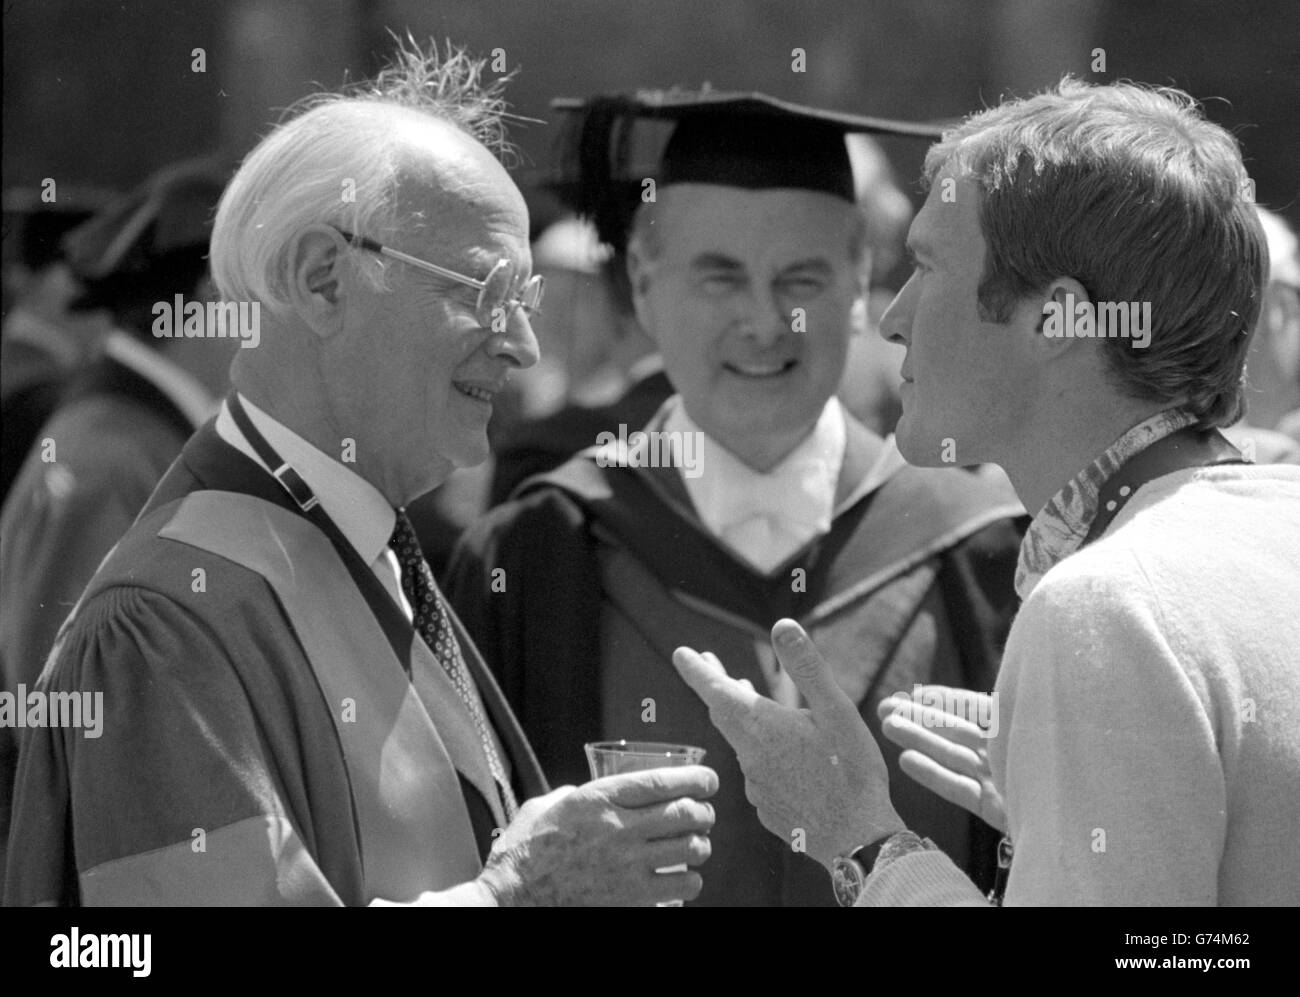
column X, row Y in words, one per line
column 849, row 872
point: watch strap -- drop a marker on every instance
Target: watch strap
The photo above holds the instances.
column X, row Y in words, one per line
column 865, row 855
column 851, row 870
column 897, row 845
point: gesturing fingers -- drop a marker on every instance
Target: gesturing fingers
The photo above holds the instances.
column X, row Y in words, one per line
column 955, row 748
column 968, row 793
column 729, row 701
column 975, row 794
column 962, row 710
column 802, row 661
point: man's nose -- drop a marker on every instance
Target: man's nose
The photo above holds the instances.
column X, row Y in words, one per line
column 896, row 324
column 763, row 318
column 517, row 345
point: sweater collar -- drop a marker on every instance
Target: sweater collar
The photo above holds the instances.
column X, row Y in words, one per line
column 1062, row 524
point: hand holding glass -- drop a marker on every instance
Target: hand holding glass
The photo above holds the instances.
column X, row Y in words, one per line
column 616, row 757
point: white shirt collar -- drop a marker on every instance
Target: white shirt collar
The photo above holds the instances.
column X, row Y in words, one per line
column 357, row 507
column 798, row 493
column 182, row 389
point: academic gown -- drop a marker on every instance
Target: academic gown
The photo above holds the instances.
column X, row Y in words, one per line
column 578, row 591
column 111, row 439
column 261, row 741
column 31, row 382
column 542, row 445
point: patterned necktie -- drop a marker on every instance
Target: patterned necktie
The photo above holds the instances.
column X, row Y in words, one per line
column 434, row 625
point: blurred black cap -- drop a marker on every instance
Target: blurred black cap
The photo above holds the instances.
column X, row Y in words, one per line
column 34, row 227
column 151, row 243
column 746, row 140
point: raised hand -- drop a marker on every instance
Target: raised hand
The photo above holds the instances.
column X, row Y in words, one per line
column 816, row 775
column 943, row 749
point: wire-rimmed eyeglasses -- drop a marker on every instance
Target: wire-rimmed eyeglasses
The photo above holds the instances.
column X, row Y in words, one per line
column 496, row 295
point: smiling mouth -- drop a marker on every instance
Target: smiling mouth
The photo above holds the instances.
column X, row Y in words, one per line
column 478, row 394
column 760, row 370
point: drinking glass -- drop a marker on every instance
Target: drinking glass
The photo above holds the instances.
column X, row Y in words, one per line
column 615, row 757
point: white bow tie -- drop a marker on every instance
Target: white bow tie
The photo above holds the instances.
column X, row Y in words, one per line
column 766, row 517
column 796, row 501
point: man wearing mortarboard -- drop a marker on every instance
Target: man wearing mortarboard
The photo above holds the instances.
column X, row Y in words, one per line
column 120, row 421
column 42, row 342
column 760, row 497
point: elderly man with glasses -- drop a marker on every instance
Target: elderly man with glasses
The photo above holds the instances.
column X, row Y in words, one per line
column 285, row 709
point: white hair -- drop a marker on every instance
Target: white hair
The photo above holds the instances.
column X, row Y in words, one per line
column 334, row 160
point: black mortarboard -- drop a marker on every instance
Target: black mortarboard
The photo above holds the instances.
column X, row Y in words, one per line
column 152, row 241
column 745, row 140
column 34, row 227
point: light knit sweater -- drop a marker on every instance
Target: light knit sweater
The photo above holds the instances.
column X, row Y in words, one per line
column 1149, row 741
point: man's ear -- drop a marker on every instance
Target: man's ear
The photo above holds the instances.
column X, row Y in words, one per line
column 315, row 277
column 1052, row 312
column 640, row 274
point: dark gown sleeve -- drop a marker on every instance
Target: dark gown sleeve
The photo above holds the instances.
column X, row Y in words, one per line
column 978, row 584
column 172, row 796
column 520, row 459
column 978, row 580
column 58, row 524
column 526, row 584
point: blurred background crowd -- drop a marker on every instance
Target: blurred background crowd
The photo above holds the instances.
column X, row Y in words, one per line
column 122, row 121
